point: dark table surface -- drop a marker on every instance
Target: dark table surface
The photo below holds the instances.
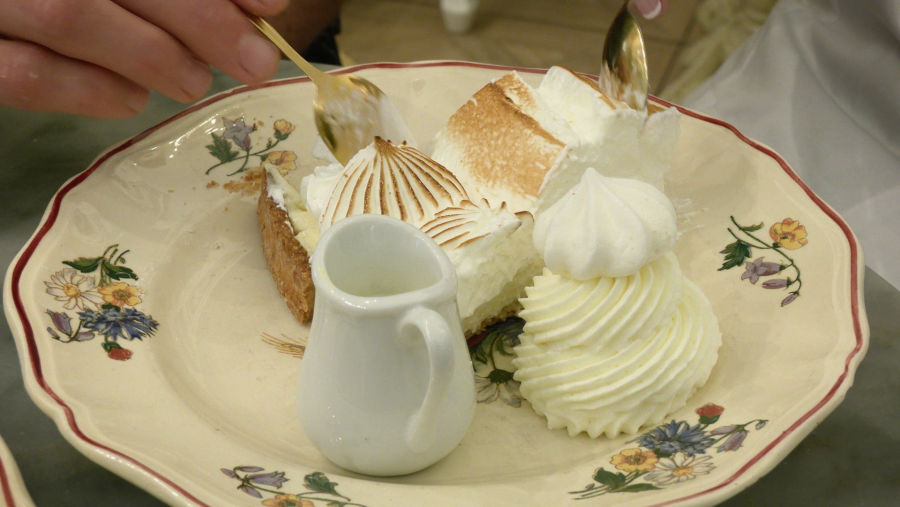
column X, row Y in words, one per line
column 851, row 459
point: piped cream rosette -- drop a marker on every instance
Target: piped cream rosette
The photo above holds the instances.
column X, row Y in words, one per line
column 608, row 354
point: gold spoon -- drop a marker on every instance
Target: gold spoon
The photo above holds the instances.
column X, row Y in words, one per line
column 349, row 110
column 623, row 74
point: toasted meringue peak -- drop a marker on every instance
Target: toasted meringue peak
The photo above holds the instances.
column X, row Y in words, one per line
column 501, row 144
column 455, row 227
column 393, row 180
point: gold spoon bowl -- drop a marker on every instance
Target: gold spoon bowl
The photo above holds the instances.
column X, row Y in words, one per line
column 349, row 110
column 623, row 74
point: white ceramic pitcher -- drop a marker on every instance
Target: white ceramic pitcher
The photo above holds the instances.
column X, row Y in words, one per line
column 386, row 384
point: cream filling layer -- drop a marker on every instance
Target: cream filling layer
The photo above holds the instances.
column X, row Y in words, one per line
column 302, row 222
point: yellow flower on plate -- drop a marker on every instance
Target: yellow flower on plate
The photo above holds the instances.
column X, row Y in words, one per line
column 283, row 127
column 630, row 460
column 789, row 234
column 120, row 294
column 288, row 501
column 284, row 160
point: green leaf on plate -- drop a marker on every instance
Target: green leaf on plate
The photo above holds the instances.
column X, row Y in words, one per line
column 501, row 348
column 221, row 149
column 107, row 346
column 637, row 488
column 708, row 420
column 317, row 481
column 614, row 481
column 751, row 228
column 480, row 353
column 735, row 254
column 85, row 264
column 117, row 272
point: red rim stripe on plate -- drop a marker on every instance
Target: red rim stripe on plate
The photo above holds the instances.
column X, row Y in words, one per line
column 5, row 486
column 55, row 206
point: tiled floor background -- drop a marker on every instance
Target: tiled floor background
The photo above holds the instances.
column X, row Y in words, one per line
column 522, row 33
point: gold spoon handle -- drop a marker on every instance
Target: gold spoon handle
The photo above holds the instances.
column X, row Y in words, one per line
column 318, row 77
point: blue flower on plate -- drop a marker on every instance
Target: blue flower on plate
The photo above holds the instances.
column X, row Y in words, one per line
column 115, row 323
column 674, row 437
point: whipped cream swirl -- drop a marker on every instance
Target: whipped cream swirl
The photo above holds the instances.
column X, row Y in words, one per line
column 610, row 355
column 605, row 227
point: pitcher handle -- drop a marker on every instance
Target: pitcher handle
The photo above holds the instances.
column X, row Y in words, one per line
column 439, row 343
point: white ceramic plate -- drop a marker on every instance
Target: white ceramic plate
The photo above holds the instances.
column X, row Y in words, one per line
column 199, row 410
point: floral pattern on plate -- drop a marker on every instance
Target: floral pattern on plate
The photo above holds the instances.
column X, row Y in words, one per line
column 238, row 133
column 491, row 357
column 104, row 304
column 255, row 481
column 786, row 235
column 669, row 454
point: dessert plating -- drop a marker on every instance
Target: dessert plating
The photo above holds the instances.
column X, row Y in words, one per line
column 615, row 336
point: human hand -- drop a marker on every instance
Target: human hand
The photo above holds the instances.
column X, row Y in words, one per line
column 650, row 9
column 100, row 58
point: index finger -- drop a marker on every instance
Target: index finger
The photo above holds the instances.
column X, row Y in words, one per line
column 218, row 32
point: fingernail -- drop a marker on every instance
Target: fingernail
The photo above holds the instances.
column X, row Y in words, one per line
column 196, row 80
column 258, row 56
column 649, row 9
column 137, row 101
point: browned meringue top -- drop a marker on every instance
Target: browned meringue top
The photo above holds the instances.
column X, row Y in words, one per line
column 458, row 226
column 393, row 180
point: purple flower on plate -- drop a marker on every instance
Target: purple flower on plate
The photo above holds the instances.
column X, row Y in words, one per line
column 758, row 268
column 723, row 430
column 790, row 299
column 250, row 491
column 249, row 483
column 778, row 283
column 63, row 323
column 238, row 132
column 274, row 479
column 733, row 442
